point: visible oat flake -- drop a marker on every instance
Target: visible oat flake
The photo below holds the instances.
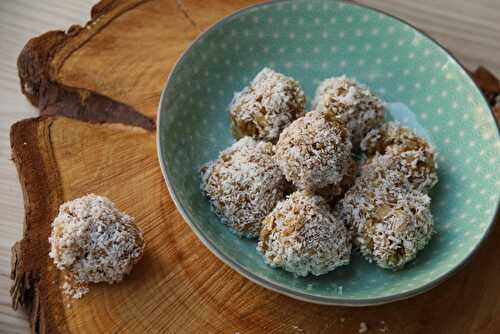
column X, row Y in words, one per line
column 263, row 109
column 363, row 327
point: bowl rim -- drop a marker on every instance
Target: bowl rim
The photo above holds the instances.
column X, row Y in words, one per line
column 283, row 289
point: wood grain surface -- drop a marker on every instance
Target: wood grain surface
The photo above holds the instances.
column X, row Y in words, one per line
column 469, row 29
column 179, row 286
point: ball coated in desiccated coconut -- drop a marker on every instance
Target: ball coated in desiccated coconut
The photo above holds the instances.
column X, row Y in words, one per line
column 314, row 152
column 417, row 168
column 243, row 185
column 390, row 222
column 92, row 241
column 263, row 109
column 393, row 136
column 334, row 192
column 399, row 148
column 302, row 236
column 353, row 103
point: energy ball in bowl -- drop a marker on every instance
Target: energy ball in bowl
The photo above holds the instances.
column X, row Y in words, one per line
column 92, row 242
column 352, row 103
column 418, row 169
column 314, row 152
column 302, row 236
column 335, row 192
column 399, row 148
column 392, row 136
column 389, row 222
column 243, row 185
column 263, row 109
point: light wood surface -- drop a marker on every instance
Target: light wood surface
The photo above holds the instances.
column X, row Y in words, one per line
column 469, row 29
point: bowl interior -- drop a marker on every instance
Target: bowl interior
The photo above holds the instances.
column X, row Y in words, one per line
column 312, row 40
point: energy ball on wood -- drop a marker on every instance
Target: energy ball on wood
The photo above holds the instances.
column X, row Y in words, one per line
column 352, row 103
column 314, row 152
column 399, row 148
column 302, row 236
column 243, row 185
column 92, row 242
column 389, row 222
column 263, row 109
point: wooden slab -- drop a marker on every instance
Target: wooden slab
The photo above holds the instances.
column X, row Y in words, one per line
column 113, row 69
column 179, row 286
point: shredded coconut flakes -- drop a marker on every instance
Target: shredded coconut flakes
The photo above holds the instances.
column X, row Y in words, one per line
column 389, row 221
column 353, row 103
column 75, row 292
column 314, row 152
column 363, row 327
column 263, row 109
column 244, row 185
column 92, row 242
column 399, row 148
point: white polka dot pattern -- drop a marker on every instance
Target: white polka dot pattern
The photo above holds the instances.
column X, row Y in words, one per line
column 311, row 41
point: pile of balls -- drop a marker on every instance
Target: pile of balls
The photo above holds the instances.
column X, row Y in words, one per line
column 292, row 179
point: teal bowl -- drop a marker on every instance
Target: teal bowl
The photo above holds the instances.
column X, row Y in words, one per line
column 425, row 88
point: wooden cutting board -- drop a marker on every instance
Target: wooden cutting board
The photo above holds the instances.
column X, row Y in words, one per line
column 108, row 147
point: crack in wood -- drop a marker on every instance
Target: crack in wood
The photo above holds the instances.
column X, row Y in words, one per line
column 184, row 11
